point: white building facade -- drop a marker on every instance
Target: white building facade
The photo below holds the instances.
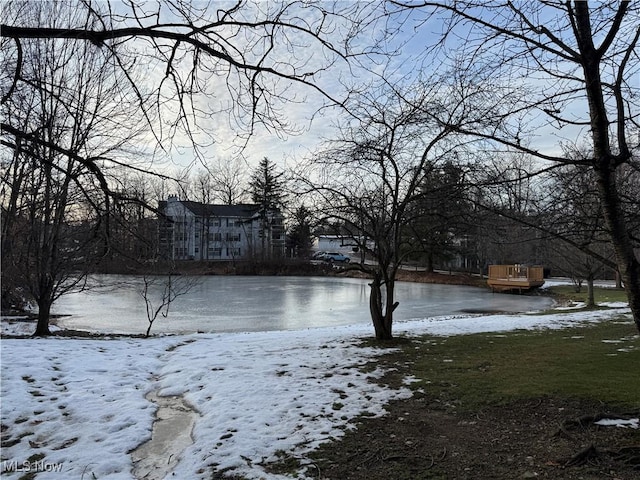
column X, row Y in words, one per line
column 197, row 231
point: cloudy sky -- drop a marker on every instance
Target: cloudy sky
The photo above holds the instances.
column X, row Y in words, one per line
column 219, row 86
column 411, row 38
column 221, row 97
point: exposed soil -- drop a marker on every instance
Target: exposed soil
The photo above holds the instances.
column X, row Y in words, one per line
column 441, row 278
column 537, row 438
column 431, row 437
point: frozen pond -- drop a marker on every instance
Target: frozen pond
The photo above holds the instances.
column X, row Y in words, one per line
column 238, row 303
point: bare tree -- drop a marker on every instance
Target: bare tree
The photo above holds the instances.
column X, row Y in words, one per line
column 133, row 229
column 576, row 215
column 512, row 193
column 559, row 69
column 367, row 183
column 210, row 71
column 228, row 179
column 221, row 181
column 202, row 187
column 160, row 292
column 56, row 213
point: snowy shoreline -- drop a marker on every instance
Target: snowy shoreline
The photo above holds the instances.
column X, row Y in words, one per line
column 83, row 406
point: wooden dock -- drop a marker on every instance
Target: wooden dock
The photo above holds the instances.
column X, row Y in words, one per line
column 504, row 278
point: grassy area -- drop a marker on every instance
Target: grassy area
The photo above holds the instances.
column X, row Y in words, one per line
column 597, row 362
column 567, row 292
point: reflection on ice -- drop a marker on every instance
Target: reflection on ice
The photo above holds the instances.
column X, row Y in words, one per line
column 237, row 303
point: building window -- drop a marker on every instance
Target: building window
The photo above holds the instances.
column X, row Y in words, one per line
column 215, row 252
column 233, row 252
column 233, row 237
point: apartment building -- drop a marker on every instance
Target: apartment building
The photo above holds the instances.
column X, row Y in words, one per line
column 197, row 231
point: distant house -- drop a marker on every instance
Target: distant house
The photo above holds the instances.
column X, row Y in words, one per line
column 335, row 243
column 197, row 231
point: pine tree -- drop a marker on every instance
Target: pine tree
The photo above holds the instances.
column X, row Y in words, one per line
column 267, row 190
column 300, row 236
column 267, row 186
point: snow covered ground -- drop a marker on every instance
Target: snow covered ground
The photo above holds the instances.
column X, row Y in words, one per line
column 77, row 408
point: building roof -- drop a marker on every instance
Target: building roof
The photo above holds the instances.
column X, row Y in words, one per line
column 203, row 210
column 212, row 210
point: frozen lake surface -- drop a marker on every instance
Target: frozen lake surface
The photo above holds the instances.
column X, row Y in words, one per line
column 243, row 303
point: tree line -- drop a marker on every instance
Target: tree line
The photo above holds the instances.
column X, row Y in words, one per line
column 525, row 130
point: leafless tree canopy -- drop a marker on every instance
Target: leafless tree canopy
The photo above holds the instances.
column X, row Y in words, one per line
column 202, row 69
column 564, row 73
column 64, row 125
column 367, row 182
column 539, row 56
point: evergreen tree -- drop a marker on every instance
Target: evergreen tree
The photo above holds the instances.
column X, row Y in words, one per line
column 300, row 236
column 267, row 186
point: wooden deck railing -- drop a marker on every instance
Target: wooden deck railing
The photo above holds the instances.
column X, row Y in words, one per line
column 520, row 272
column 515, row 277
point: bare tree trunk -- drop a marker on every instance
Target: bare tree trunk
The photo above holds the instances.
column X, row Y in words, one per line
column 159, row 293
column 606, row 163
column 381, row 324
column 628, row 264
column 430, row 262
column 618, row 279
column 591, row 299
column 44, row 313
column 382, row 318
